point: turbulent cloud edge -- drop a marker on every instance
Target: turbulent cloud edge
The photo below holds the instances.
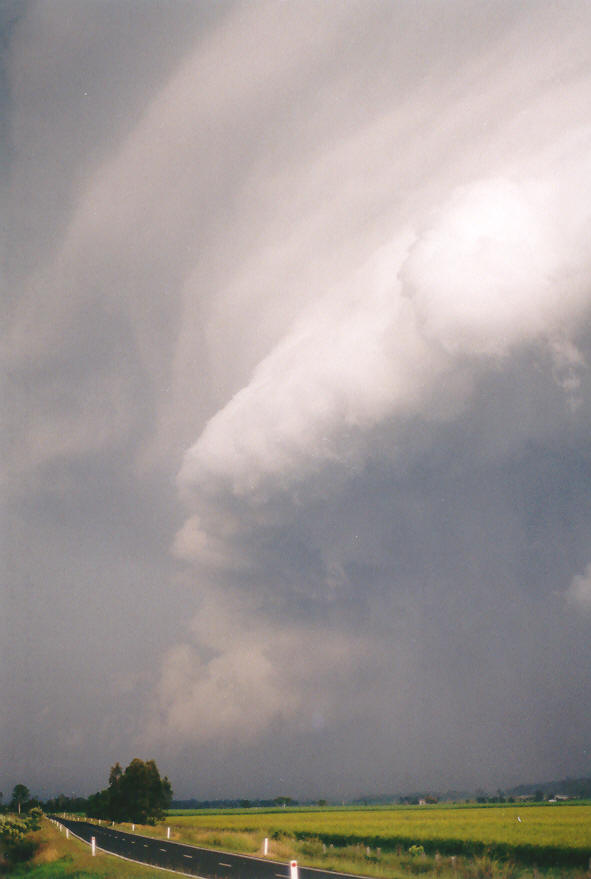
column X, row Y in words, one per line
column 503, row 264
column 251, row 676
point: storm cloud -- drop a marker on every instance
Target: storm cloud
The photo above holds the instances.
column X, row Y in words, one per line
column 298, row 341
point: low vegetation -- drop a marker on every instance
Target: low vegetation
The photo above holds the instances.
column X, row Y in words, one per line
column 16, row 842
column 56, row 857
column 551, row 835
column 549, row 842
column 59, row 858
column 474, row 843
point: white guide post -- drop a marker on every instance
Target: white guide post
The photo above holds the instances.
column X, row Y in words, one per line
column 67, row 833
column 93, row 845
column 133, row 827
column 293, row 869
column 168, row 832
column 266, row 846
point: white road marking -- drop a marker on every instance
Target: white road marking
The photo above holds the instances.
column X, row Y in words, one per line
column 221, row 863
column 188, row 856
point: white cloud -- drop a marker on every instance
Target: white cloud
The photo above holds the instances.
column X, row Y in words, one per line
column 237, row 677
column 499, row 266
column 350, row 361
column 505, row 262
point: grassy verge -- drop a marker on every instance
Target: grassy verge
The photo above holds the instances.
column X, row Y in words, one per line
column 61, row 858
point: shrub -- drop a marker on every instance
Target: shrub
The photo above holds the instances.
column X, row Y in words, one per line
column 15, row 842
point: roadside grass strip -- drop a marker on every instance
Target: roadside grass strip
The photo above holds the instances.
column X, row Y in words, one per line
column 61, row 858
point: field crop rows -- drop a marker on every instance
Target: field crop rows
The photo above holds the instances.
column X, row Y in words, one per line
column 533, row 834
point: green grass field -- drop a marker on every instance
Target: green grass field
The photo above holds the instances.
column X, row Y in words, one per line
column 539, row 835
column 552, row 834
column 547, row 825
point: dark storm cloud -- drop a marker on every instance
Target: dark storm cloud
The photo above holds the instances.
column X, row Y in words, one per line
column 298, row 356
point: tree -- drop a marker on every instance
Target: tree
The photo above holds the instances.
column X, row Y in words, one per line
column 284, row 801
column 116, row 794
column 146, row 796
column 137, row 794
column 20, row 796
column 97, row 805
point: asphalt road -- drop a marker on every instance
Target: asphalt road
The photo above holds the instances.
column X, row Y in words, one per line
column 187, row 859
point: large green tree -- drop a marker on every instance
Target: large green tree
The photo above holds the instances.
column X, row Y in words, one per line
column 137, row 794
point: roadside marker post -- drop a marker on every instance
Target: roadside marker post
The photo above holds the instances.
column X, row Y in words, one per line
column 293, row 869
column 266, row 846
column 93, row 845
column 67, row 833
column 168, row 832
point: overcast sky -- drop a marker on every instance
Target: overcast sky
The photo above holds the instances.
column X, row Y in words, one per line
column 297, row 468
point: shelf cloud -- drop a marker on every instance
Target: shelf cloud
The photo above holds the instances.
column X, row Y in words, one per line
column 298, row 335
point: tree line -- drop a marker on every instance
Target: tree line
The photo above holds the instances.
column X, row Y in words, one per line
column 135, row 794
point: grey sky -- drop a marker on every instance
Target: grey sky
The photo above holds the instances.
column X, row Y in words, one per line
column 297, row 463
